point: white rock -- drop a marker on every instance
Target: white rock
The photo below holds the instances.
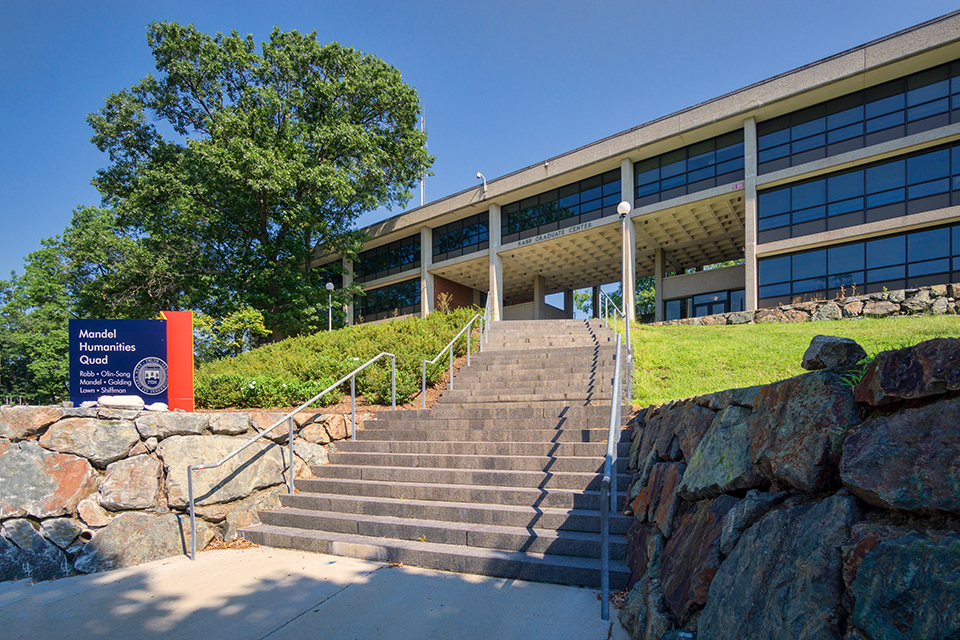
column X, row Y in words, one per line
column 134, row 403
column 157, row 406
column 88, row 404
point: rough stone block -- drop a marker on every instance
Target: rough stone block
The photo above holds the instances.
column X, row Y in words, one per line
column 831, row 352
column 722, row 462
column 908, row 588
column 908, row 460
column 40, row 483
column 260, row 465
column 20, row 423
column 133, row 483
column 783, row 579
column 135, row 537
column 177, row 423
column 98, row 441
column 798, row 428
column 926, row 369
column 691, row 557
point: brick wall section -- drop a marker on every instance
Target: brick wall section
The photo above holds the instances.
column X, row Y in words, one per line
column 462, row 296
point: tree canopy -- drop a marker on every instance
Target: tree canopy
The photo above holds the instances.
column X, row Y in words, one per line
column 241, row 167
column 230, row 171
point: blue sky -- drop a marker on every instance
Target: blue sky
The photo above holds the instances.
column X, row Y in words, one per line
column 504, row 84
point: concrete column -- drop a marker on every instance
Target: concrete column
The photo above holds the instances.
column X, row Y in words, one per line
column 347, row 282
column 496, row 265
column 539, row 297
column 630, row 243
column 568, row 302
column 750, row 213
column 426, row 278
column 658, row 260
column 596, row 301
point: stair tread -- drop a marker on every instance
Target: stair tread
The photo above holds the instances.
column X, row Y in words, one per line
column 436, row 547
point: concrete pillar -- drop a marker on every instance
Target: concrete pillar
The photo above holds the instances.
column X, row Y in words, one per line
column 751, row 283
column 347, row 283
column 596, row 301
column 568, row 302
column 496, row 265
column 539, row 297
column 426, row 278
column 630, row 243
column 658, row 260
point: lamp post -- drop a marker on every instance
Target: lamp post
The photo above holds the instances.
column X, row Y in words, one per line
column 329, row 287
column 624, row 210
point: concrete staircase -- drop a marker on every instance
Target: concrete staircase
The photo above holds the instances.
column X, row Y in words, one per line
column 501, row 477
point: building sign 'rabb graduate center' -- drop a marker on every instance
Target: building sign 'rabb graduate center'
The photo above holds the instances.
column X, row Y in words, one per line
column 844, row 173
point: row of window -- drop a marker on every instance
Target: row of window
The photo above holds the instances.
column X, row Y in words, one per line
column 902, row 261
column 397, row 299
column 388, row 259
column 583, row 201
column 899, row 108
column 700, row 166
column 705, row 304
column 918, row 182
column 461, row 237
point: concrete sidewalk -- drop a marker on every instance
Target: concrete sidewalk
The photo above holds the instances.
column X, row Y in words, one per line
column 280, row 594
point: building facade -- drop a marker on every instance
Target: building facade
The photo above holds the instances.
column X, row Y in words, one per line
column 840, row 176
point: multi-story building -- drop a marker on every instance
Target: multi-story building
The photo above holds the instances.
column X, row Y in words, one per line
column 844, row 173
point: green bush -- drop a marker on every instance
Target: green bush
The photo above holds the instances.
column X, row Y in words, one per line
column 289, row 372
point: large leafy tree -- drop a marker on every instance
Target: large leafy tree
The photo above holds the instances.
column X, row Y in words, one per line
column 236, row 168
column 34, row 309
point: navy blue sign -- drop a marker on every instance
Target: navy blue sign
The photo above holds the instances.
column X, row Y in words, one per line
column 118, row 358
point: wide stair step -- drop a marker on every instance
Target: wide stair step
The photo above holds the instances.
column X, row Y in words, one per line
column 501, row 477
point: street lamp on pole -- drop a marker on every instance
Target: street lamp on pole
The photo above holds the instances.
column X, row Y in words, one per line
column 624, row 210
column 329, row 287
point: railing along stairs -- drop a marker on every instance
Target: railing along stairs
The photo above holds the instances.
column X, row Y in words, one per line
column 288, row 418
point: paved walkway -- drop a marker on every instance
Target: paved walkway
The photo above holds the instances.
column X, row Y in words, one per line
column 280, row 594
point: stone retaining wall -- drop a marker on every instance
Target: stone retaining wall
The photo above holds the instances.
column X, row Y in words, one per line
column 804, row 509
column 937, row 299
column 86, row 490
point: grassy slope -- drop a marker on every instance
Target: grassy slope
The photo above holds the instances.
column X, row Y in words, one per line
column 681, row 361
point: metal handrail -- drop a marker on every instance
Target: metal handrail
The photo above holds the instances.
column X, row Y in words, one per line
column 289, row 419
column 626, row 330
column 423, row 380
column 608, row 487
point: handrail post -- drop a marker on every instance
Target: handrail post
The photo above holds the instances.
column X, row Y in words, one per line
column 290, row 445
column 604, row 552
column 450, row 386
column 423, row 385
column 393, row 381
column 470, row 328
column 353, row 407
column 193, row 522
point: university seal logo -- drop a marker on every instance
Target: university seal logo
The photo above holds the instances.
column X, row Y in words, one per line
column 150, row 376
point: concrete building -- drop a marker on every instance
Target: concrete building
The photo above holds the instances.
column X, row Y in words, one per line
column 844, row 173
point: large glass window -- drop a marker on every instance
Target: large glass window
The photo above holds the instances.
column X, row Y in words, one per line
column 461, row 237
column 899, row 108
column 694, row 168
column 919, row 182
column 583, row 201
column 705, row 304
column 397, row 299
column 387, row 260
column 902, row 261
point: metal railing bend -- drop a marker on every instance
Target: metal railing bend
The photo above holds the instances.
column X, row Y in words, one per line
column 288, row 418
column 608, row 301
column 466, row 328
column 608, row 486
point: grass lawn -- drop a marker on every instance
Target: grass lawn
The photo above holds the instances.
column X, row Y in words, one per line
column 681, row 361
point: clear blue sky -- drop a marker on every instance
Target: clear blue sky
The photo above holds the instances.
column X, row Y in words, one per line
column 504, row 84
